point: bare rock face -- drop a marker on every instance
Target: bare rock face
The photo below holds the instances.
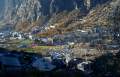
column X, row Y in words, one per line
column 19, row 11
column 29, row 9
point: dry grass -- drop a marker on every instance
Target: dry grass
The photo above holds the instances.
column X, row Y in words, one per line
column 42, row 49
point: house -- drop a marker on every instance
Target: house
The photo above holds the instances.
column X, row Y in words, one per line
column 22, row 46
column 19, row 37
column 59, row 40
column 1, row 34
column 16, row 35
column 47, row 41
column 44, row 39
column 73, row 63
column 82, row 31
column 71, row 44
column 30, row 36
column 84, row 66
column 52, row 26
column 56, row 55
column 47, row 28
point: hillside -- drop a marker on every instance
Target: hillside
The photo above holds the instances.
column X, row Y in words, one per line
column 28, row 14
column 74, row 20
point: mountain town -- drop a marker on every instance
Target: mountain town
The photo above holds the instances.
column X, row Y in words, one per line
column 54, row 38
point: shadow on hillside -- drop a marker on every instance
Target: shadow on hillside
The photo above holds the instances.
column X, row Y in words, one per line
column 104, row 66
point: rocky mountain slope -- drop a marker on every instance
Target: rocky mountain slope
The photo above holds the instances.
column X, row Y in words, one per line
column 101, row 15
column 61, row 15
